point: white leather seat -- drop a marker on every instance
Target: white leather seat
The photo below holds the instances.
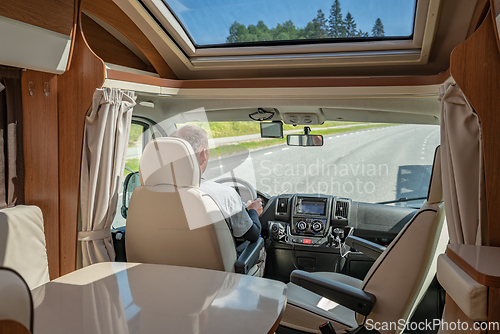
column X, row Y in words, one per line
column 22, row 243
column 398, row 278
column 15, row 302
column 169, row 220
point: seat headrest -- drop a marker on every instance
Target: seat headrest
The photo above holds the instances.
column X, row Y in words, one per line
column 435, row 193
column 169, row 161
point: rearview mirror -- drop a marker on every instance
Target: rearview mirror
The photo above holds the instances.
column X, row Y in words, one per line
column 304, row 140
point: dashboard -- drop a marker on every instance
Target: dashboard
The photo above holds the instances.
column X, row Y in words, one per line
column 309, row 219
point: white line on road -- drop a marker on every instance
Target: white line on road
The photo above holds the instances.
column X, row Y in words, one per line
column 268, row 153
column 286, row 148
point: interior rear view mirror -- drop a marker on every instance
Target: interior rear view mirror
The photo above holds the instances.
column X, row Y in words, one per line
column 271, row 129
column 304, row 140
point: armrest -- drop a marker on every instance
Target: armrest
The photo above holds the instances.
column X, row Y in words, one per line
column 353, row 298
column 249, row 257
column 366, row 247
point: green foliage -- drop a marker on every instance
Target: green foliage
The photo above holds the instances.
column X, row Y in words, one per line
column 335, row 27
column 350, row 26
column 378, row 28
column 133, row 164
column 135, row 134
column 233, row 129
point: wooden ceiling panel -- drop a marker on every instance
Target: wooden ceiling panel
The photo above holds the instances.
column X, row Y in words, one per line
column 108, row 48
column 109, row 12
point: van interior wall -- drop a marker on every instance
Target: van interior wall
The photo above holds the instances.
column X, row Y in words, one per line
column 53, row 144
column 40, row 135
column 476, row 73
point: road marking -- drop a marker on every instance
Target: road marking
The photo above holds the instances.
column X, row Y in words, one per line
column 330, row 137
column 286, row 148
column 422, row 158
column 268, row 153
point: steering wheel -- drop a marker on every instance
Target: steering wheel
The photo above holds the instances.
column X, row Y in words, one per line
column 248, row 194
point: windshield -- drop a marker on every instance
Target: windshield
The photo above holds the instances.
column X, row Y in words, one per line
column 368, row 162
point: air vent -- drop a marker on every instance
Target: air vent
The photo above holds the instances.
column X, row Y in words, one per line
column 342, row 209
column 282, row 205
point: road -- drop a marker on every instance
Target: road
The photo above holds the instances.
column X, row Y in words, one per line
column 371, row 165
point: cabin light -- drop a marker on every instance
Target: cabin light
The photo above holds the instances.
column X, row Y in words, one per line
column 147, row 104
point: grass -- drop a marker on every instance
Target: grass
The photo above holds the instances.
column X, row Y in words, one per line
column 230, row 129
column 133, row 164
column 233, row 129
column 224, row 150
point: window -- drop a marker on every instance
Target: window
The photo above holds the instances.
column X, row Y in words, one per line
column 367, row 162
column 226, row 22
column 138, row 138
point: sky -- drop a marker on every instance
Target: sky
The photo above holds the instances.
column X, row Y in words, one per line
column 208, row 21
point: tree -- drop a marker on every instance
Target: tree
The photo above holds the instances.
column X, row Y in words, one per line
column 361, row 33
column 350, row 26
column 378, row 28
column 336, row 27
column 237, row 33
column 320, row 28
column 286, row 31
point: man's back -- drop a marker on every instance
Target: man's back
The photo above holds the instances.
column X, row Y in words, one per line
column 230, row 204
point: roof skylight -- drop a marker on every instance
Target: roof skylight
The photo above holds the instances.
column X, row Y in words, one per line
column 228, row 22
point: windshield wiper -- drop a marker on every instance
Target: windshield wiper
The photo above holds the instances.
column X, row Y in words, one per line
column 403, row 199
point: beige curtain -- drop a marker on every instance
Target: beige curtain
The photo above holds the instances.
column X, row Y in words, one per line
column 107, row 128
column 462, row 168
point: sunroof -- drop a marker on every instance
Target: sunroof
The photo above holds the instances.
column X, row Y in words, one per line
column 228, row 22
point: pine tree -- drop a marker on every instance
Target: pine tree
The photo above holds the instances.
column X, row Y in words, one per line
column 378, row 28
column 350, row 25
column 320, row 28
column 361, row 33
column 336, row 27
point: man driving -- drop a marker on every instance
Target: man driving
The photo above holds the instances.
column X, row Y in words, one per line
column 244, row 221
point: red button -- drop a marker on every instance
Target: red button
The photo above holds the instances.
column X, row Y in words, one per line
column 306, row 241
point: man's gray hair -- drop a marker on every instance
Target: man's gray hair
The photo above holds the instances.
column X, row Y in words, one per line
column 194, row 135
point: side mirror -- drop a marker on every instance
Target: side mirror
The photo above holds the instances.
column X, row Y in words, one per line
column 131, row 182
column 304, row 140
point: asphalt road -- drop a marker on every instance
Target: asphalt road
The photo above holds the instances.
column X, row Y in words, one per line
column 372, row 165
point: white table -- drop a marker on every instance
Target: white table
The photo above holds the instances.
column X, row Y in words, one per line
column 130, row 298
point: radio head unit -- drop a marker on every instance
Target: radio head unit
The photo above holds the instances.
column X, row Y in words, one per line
column 311, row 206
column 310, row 215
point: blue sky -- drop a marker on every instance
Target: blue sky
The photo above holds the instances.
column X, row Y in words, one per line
column 208, row 21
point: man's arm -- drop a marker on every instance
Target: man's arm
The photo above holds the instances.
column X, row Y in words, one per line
column 253, row 233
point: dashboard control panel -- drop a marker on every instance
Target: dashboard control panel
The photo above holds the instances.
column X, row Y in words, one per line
column 311, row 220
column 310, row 215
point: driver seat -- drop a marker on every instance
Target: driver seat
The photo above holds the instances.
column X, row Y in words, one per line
column 396, row 281
column 170, row 221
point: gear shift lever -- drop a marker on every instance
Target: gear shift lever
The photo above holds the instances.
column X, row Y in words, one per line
column 339, row 235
